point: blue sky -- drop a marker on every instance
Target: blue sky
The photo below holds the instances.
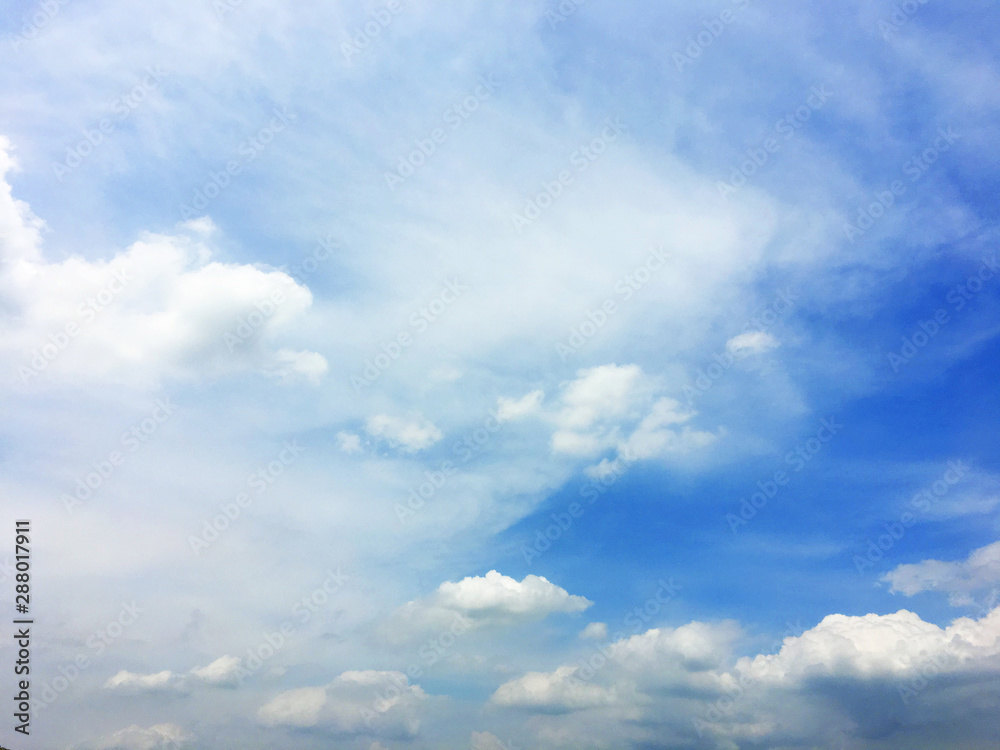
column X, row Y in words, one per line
column 323, row 326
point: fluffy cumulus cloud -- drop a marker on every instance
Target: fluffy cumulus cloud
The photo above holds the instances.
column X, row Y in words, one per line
column 879, row 646
column 614, row 407
column 961, row 580
column 368, row 702
column 159, row 309
column 481, row 601
column 409, row 435
column 890, row 677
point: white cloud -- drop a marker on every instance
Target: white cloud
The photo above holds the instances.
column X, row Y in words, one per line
column 878, row 645
column 593, row 405
column 480, row 601
column 752, row 342
column 612, row 407
column 689, row 656
column 561, row 690
column 161, row 308
column 222, row 671
column 596, row 630
column 859, row 675
column 960, row 580
column 511, row 408
column 125, row 680
column 349, row 442
column 355, row 703
column 410, row 436
column 605, row 392
column 656, row 434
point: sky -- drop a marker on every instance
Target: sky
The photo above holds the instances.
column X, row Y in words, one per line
column 500, row 376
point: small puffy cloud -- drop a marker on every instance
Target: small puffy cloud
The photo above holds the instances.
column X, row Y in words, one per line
column 596, row 630
column 135, row 737
column 510, row 408
column 960, row 579
column 409, row 436
column 496, row 593
column 657, row 434
column 475, row 602
column 614, row 407
column 752, row 342
column 133, row 681
column 223, row 671
column 349, row 442
column 366, row 702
